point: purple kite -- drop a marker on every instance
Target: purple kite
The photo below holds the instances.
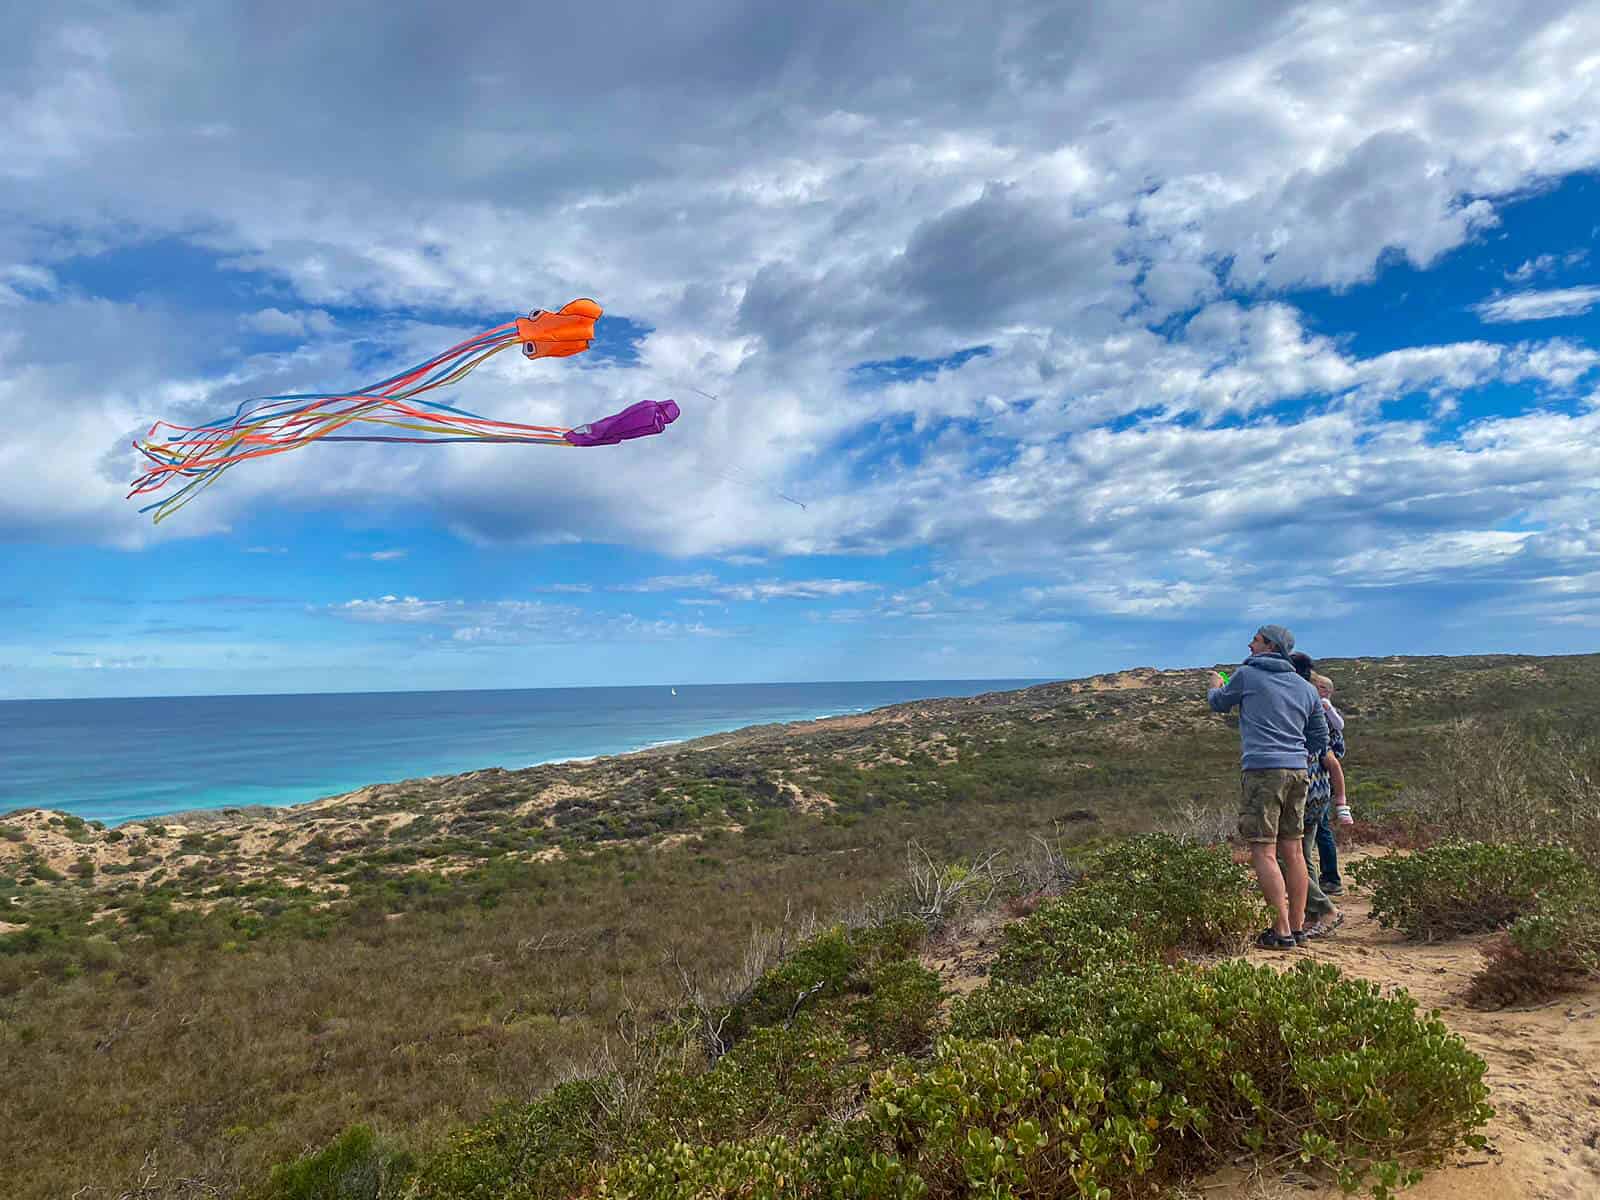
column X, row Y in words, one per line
column 637, row 420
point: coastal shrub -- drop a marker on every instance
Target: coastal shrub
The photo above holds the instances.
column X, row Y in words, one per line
column 1152, row 895
column 834, row 1163
column 540, row 1151
column 12, row 833
column 1542, row 954
column 1168, row 1072
column 781, row 1077
column 832, row 964
column 1468, row 887
column 900, row 1008
column 1523, row 779
column 356, row 1165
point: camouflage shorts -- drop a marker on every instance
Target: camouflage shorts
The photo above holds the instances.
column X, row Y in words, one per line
column 1274, row 805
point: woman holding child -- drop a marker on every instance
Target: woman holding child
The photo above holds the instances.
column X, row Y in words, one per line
column 1324, row 791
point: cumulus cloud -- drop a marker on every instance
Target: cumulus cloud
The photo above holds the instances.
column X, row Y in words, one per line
column 1115, row 209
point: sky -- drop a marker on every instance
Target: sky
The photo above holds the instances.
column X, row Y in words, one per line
column 1030, row 344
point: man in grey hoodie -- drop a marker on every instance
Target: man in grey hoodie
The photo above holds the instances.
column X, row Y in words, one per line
column 1280, row 724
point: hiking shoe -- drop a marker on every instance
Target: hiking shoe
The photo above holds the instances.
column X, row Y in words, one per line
column 1299, row 937
column 1333, row 889
column 1271, row 939
column 1326, row 925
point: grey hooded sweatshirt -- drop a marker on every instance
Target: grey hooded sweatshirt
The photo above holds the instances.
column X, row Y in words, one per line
column 1280, row 715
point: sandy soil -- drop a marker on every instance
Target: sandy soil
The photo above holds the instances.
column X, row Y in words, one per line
column 1543, row 1064
column 1544, row 1069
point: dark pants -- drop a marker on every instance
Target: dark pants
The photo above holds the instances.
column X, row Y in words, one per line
column 1327, row 852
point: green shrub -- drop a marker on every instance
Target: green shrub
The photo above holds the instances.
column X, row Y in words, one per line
column 355, row 1166
column 833, row 1163
column 900, row 1008
column 1541, row 955
column 832, row 964
column 1168, row 1072
column 781, row 1077
column 1149, row 896
column 13, row 833
column 541, row 1151
column 1468, row 887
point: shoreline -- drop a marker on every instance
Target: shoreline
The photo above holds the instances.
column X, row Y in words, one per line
column 189, row 812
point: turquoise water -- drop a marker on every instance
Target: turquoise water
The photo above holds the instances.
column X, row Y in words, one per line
column 117, row 760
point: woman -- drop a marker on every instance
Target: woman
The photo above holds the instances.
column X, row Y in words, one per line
column 1325, row 779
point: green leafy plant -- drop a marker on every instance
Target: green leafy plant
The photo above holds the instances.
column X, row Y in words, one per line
column 1541, row 954
column 357, row 1165
column 1468, row 887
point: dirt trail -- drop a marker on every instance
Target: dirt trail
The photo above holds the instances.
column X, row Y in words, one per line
column 1544, row 1070
column 1543, row 1065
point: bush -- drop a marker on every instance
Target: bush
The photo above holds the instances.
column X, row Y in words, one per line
column 1468, row 887
column 355, row 1166
column 832, row 964
column 1541, row 955
column 1168, row 1072
column 1518, row 780
column 1149, row 896
column 541, row 1151
column 900, row 1008
column 778, row 1078
column 831, row 1163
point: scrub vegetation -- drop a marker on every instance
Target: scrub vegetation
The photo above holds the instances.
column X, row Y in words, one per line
column 663, row 968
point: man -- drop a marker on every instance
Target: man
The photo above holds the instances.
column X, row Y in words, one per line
column 1280, row 725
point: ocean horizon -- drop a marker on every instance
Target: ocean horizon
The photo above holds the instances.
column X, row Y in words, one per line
column 124, row 759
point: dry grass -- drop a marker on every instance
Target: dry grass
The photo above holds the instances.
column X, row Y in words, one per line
column 222, row 1062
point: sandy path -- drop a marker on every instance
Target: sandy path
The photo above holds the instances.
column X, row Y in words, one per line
column 1544, row 1070
column 1543, row 1063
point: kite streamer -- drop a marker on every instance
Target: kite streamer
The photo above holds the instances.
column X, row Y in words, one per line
column 198, row 454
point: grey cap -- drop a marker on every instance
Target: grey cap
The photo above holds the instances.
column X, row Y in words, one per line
column 1278, row 636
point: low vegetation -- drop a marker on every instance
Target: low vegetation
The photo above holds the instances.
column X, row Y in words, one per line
column 1545, row 899
column 1087, row 1067
column 466, row 968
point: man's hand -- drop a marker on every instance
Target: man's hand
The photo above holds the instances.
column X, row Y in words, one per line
column 1217, row 680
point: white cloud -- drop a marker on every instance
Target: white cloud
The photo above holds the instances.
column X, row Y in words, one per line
column 790, row 589
column 285, row 324
column 406, row 610
column 1544, row 264
column 668, row 583
column 777, row 206
column 1538, row 306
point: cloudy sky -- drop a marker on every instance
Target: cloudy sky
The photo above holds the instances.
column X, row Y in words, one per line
column 1082, row 337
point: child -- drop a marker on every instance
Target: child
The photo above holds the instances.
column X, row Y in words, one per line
column 1341, row 802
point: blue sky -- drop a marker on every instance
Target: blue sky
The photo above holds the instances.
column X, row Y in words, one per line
column 1035, row 345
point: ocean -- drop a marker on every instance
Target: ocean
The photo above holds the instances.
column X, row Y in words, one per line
column 121, row 759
